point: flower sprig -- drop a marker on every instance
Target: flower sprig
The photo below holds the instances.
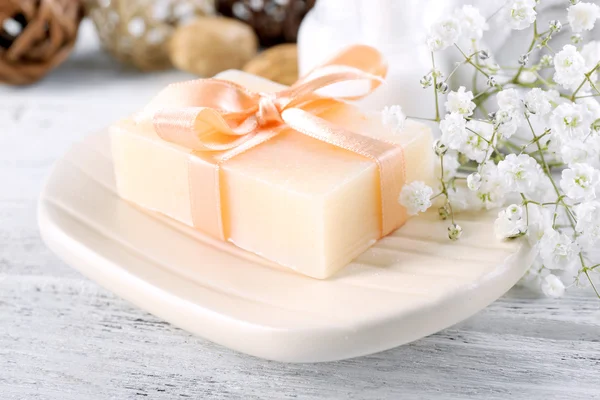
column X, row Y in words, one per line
column 538, row 150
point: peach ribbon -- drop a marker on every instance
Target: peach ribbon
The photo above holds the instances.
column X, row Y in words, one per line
column 219, row 120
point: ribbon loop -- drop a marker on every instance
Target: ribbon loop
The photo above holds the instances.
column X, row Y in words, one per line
column 213, row 115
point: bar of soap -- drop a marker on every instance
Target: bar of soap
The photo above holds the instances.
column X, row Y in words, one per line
column 294, row 200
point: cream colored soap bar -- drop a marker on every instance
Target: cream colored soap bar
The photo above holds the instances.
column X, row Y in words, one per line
column 301, row 203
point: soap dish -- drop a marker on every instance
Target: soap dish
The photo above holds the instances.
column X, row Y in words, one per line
column 410, row 284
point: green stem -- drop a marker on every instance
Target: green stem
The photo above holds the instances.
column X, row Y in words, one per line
column 437, row 105
column 515, row 79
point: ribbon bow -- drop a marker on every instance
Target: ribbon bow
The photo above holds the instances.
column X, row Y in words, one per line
column 225, row 119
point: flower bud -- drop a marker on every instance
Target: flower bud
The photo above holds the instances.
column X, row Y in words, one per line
column 555, row 25
column 425, row 81
column 454, row 231
column 492, row 115
column 491, row 81
column 577, row 38
column 444, row 211
column 574, row 1
column 484, row 55
column 442, row 87
column 439, row 148
column 546, row 60
column 524, row 59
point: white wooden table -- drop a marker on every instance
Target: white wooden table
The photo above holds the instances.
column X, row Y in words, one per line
column 63, row 337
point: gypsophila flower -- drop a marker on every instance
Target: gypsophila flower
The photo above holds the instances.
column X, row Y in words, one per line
column 460, row 102
column 473, row 24
column 479, row 136
column 510, row 114
column 570, row 121
column 520, row 14
column 509, row 100
column 552, row 286
column 557, row 250
column 527, row 77
column 591, row 54
column 581, row 151
column 510, row 223
column 539, row 220
column 454, row 130
column 393, row 118
column 546, row 60
column 588, row 223
column 521, row 173
column 539, row 102
column 580, row 182
column 492, row 190
column 443, row 34
column 582, row 16
column 474, row 181
column 570, row 67
column 416, row 197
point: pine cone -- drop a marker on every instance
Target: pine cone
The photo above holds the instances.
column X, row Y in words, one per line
column 35, row 36
column 275, row 21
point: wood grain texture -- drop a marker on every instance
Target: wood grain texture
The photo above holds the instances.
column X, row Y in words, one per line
column 63, row 337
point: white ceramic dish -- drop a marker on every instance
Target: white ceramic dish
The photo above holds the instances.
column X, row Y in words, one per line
column 409, row 285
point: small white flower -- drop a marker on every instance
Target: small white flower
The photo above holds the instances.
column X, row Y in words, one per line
column 473, row 24
column 539, row 221
column 557, row 250
column 527, row 77
column 492, row 191
column 393, row 117
column 552, row 286
column 510, row 101
column 570, row 121
column 454, row 131
column 581, row 151
column 591, row 54
column 443, row 34
column 569, row 67
column 520, row 14
column 477, row 144
column 416, row 197
column 580, row 182
column 507, row 123
column 539, row 102
column 474, row 181
column 582, row 16
column 510, row 113
column 510, row 222
column 522, row 173
column 588, row 223
column 460, row 102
